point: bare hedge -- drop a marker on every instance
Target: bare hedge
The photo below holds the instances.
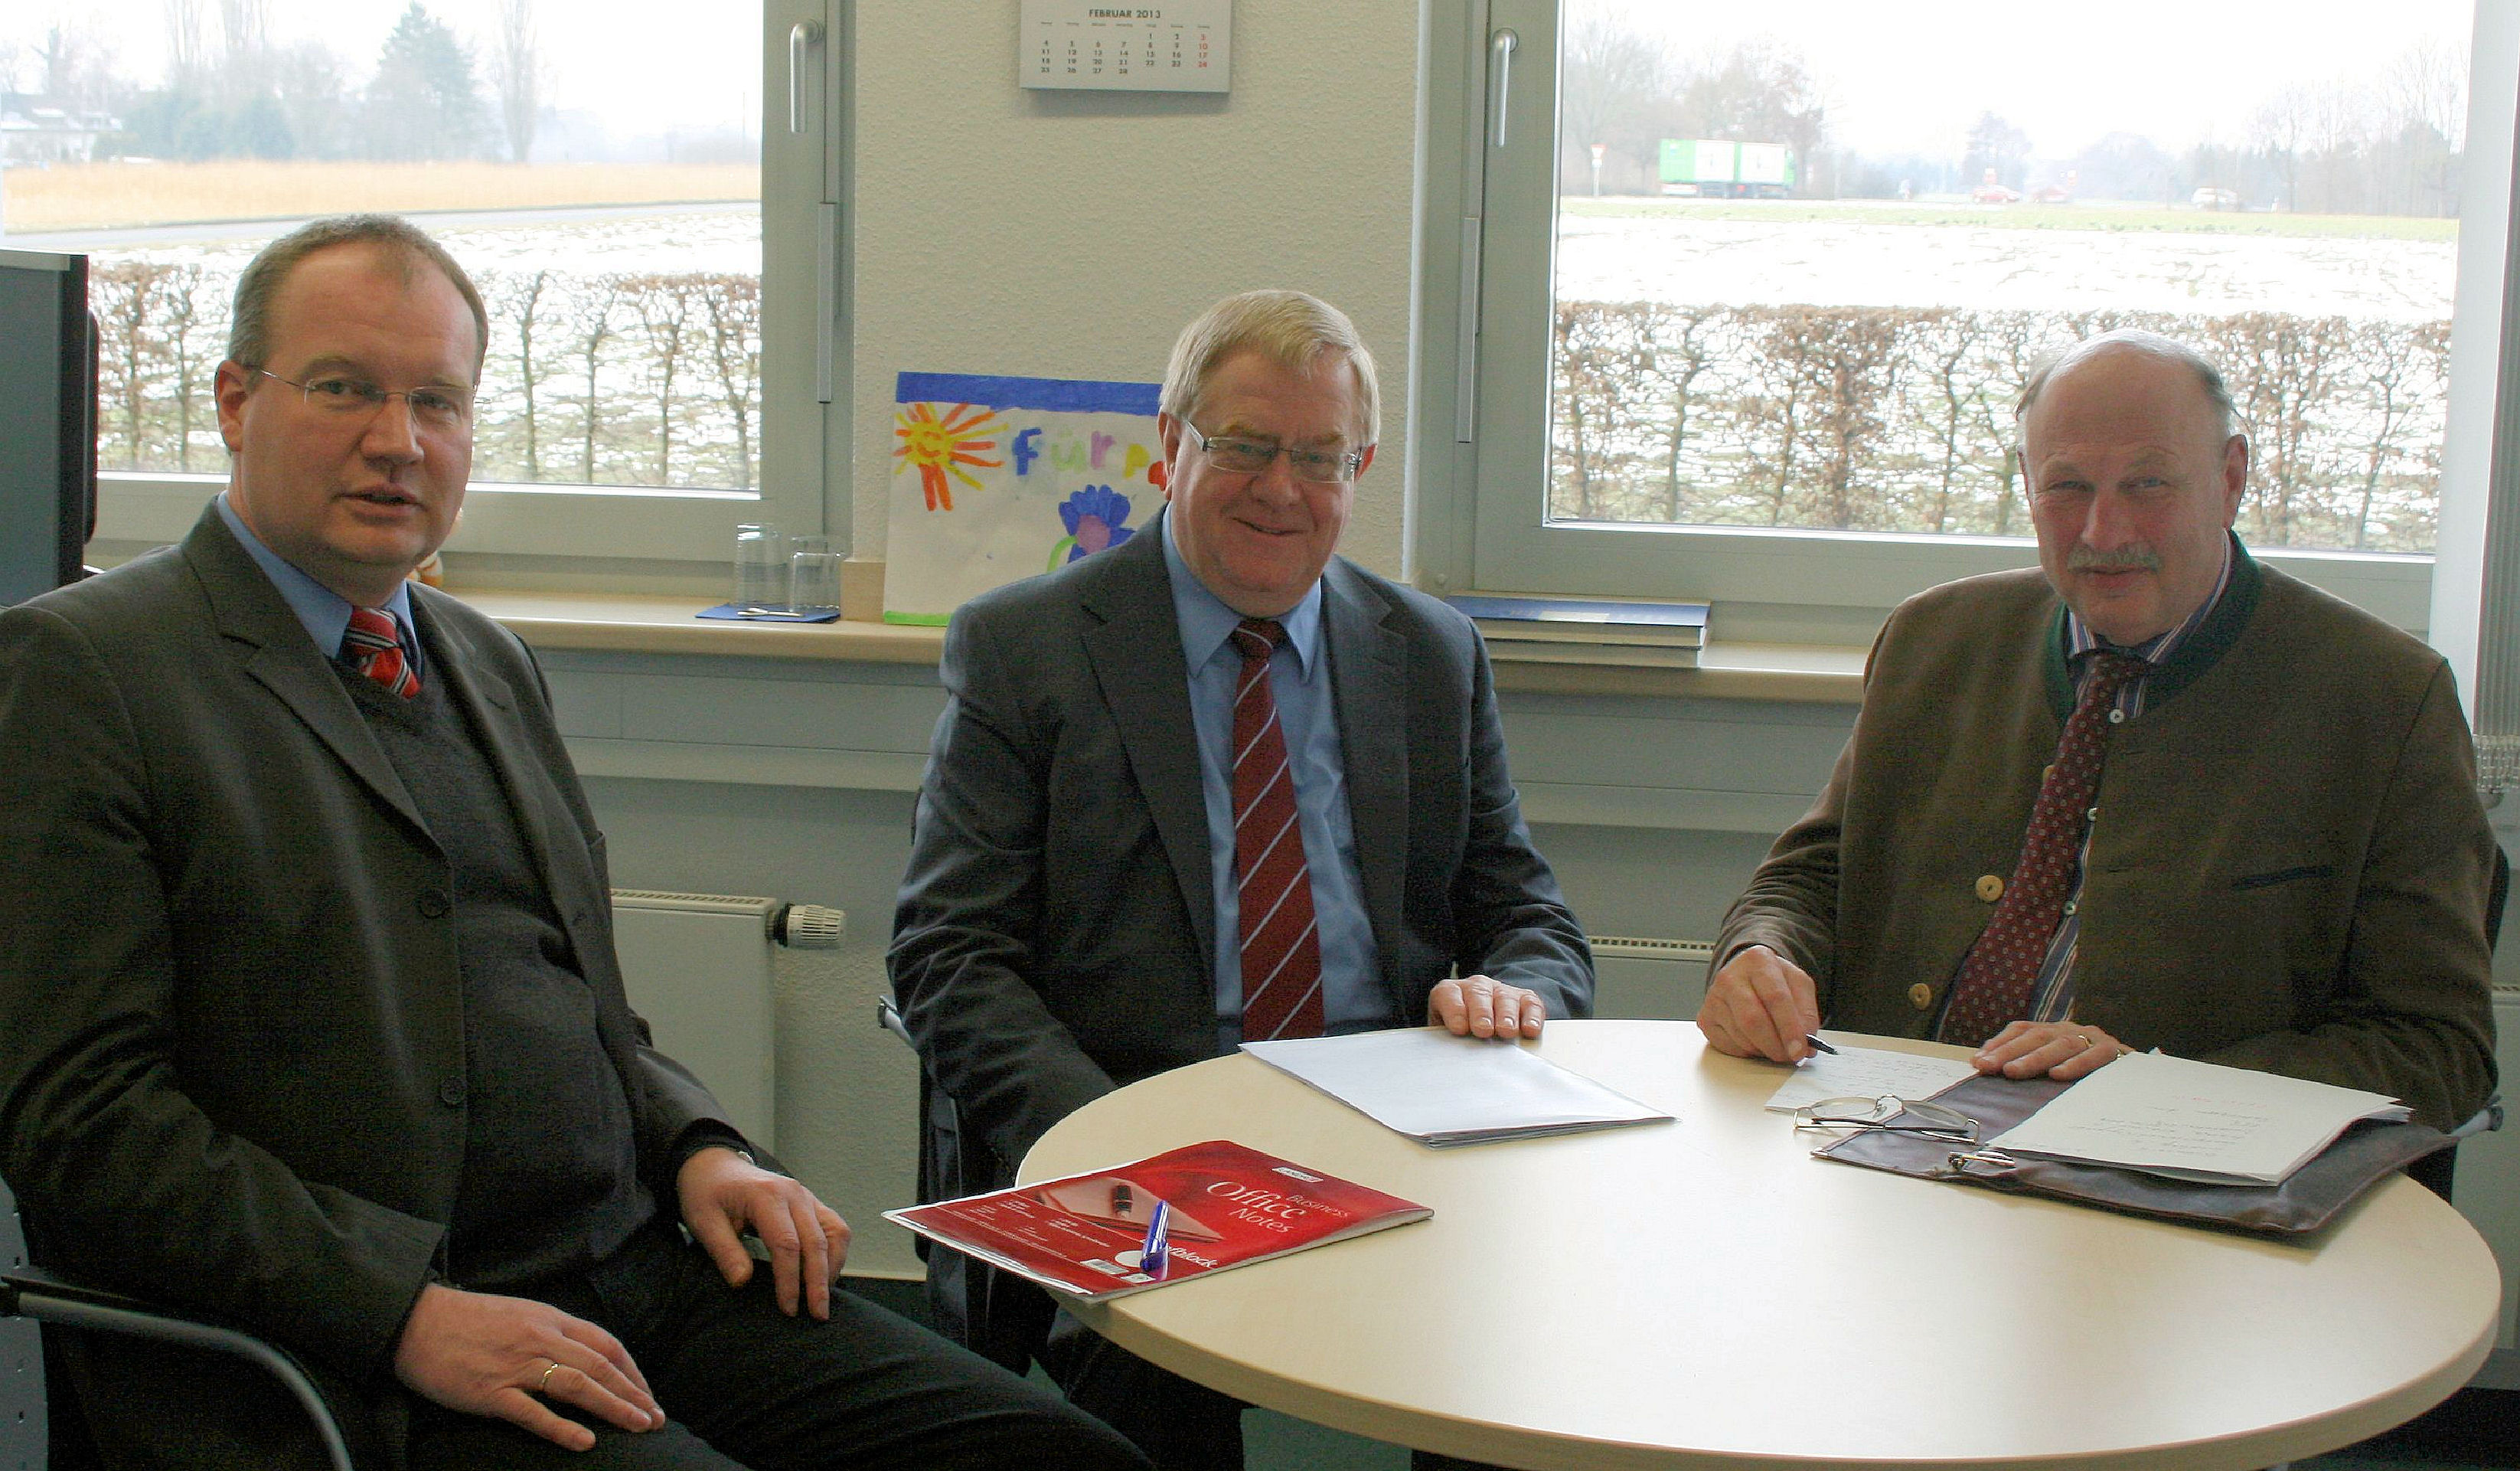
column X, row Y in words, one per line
column 1900, row 418
column 618, row 379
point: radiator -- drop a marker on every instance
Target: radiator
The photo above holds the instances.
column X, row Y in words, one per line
column 2488, row 1192
column 1641, row 980
column 698, row 968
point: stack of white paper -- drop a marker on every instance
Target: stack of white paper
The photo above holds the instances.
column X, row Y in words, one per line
column 1442, row 1089
column 2194, row 1120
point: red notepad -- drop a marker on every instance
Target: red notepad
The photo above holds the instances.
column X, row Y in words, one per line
column 1226, row 1206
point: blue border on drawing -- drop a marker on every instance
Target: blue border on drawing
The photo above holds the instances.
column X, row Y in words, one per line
column 1075, row 396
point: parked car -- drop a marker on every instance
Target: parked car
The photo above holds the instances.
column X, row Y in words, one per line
column 2211, row 198
column 1996, row 194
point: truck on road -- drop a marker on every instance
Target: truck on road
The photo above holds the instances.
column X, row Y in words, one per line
column 1719, row 168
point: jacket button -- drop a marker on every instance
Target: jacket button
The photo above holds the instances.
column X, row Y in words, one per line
column 433, row 903
column 451, row 1092
column 1920, row 995
column 1989, row 887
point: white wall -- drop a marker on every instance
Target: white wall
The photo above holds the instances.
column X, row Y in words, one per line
column 1072, row 234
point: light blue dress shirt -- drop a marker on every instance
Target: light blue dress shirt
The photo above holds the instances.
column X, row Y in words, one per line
column 325, row 613
column 1353, row 999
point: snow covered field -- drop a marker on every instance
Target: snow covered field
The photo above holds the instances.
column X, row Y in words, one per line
column 1856, row 262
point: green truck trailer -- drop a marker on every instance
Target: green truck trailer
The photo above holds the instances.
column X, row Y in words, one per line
column 1718, row 168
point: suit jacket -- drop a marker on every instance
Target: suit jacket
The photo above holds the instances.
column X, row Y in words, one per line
column 2288, row 872
column 1054, row 937
column 232, row 1061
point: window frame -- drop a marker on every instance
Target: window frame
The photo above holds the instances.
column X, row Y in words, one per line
column 647, row 537
column 1486, row 307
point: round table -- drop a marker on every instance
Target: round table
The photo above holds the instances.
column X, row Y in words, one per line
column 1705, row 1292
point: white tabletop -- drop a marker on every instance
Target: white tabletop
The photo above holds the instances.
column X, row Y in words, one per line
column 1705, row 1292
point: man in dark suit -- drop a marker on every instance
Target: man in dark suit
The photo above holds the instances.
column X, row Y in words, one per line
column 309, row 1014
column 1214, row 783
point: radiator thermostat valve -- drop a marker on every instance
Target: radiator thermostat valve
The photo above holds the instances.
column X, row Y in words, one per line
column 808, row 927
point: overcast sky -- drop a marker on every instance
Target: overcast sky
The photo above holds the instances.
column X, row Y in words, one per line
column 643, row 66
column 1913, row 77
column 1898, row 76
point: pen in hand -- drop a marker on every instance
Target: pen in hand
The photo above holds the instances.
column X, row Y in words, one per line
column 1817, row 1045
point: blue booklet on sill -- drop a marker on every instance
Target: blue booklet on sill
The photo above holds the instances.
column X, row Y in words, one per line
column 731, row 612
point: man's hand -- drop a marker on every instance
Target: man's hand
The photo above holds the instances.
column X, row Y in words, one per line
column 722, row 1192
column 503, row 1357
column 1760, row 1004
column 1477, row 1006
column 2064, row 1050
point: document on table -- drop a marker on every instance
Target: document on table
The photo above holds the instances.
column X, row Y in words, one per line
column 2194, row 1120
column 1868, row 1073
column 1442, row 1089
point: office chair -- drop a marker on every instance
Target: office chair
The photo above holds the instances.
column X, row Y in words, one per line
column 1003, row 1316
column 2438, row 1171
column 29, row 1292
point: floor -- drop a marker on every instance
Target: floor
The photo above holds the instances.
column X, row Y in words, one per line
column 2473, row 1428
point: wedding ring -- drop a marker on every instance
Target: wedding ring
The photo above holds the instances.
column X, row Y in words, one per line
column 2085, row 1041
column 543, row 1387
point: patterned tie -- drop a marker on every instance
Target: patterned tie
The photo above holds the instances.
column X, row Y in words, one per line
column 374, row 643
column 1994, row 987
column 1281, row 954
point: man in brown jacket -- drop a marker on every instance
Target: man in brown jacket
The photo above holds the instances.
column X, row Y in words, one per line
column 2154, row 796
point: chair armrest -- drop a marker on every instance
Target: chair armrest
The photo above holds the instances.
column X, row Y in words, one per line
column 32, row 1292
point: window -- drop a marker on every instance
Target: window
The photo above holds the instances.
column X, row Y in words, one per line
column 1753, row 290
column 602, row 183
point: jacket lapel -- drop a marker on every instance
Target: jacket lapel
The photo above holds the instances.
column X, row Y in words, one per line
column 249, row 610
column 1368, row 686
column 1134, row 646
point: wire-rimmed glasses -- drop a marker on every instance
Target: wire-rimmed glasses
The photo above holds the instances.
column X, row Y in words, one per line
column 1926, row 1121
column 1251, row 457
column 442, row 408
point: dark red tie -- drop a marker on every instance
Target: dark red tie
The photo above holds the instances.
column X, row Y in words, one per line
column 374, row 643
column 1281, row 954
column 1995, row 983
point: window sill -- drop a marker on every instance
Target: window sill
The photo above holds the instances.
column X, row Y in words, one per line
column 627, row 624
column 632, row 623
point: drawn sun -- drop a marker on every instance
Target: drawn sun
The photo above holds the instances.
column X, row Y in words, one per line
column 941, row 444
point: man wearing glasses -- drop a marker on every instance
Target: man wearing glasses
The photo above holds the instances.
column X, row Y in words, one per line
column 2153, row 795
column 309, row 1015
column 1215, row 783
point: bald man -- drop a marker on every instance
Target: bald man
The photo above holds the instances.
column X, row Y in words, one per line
column 2153, row 795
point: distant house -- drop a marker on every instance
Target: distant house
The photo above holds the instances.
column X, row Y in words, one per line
column 34, row 131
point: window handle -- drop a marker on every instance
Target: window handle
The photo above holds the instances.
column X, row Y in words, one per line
column 803, row 37
column 1501, row 49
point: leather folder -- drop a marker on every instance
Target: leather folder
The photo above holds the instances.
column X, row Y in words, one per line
column 2304, row 1202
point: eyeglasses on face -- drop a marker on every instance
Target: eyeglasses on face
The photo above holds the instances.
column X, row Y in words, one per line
column 1889, row 1114
column 351, row 397
column 1250, row 457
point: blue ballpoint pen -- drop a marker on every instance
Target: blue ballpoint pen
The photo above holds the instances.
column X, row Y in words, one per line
column 1154, row 1257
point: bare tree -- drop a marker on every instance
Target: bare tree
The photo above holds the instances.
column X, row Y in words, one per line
column 1610, row 78
column 733, row 306
column 665, row 307
column 517, row 72
column 188, row 40
column 524, row 299
column 2283, row 128
column 593, row 321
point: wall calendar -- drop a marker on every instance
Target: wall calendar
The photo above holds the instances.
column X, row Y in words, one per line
column 1172, row 46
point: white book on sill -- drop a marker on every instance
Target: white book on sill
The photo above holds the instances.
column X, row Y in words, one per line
column 1443, row 1091
column 2194, row 1120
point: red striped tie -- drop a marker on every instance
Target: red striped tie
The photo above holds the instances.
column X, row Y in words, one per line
column 374, row 643
column 1996, row 980
column 1281, row 954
